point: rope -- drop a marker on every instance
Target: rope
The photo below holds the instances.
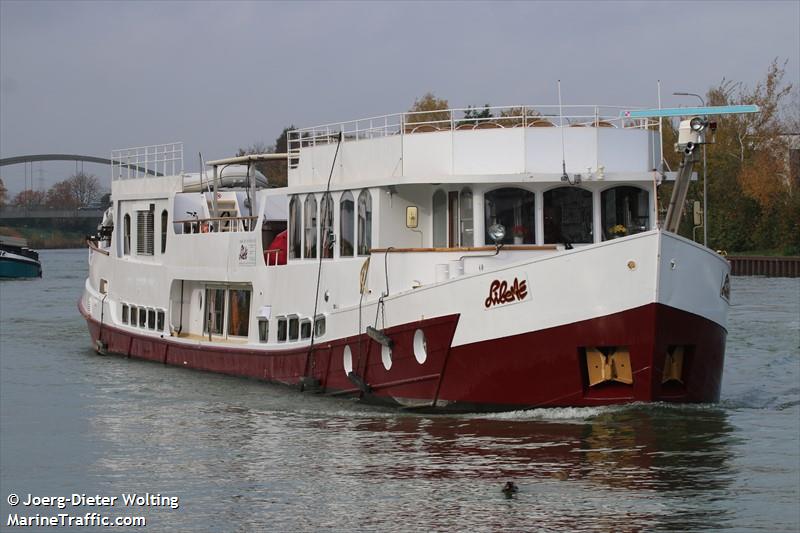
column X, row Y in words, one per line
column 309, row 358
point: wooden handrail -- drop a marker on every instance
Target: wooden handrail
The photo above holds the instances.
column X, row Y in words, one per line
column 92, row 246
column 213, row 219
column 508, row 247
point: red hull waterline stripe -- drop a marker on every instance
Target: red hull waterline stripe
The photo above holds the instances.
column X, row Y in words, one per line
column 546, row 368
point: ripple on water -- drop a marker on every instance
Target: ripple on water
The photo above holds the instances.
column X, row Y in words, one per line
column 268, row 458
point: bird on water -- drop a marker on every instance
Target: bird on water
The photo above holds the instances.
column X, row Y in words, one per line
column 510, row 488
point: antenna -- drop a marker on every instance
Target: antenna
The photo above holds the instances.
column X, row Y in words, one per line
column 564, row 176
column 661, row 156
column 660, row 130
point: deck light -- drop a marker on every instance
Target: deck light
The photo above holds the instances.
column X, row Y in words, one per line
column 697, row 124
column 497, row 232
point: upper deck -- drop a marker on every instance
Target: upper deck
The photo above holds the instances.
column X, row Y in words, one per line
column 515, row 142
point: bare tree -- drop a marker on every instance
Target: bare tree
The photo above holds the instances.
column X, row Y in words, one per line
column 85, row 188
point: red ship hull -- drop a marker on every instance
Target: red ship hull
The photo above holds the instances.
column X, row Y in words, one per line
column 545, row 368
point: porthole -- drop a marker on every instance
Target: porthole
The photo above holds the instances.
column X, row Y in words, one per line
column 420, row 346
column 386, row 357
column 347, row 360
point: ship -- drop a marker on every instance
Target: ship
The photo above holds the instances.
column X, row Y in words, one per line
column 17, row 260
column 430, row 261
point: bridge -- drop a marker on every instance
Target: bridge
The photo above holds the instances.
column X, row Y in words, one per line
column 74, row 157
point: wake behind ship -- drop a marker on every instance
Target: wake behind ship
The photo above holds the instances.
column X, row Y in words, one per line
column 431, row 262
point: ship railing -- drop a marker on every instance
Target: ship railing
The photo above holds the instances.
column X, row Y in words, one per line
column 469, row 118
column 147, row 161
column 271, row 256
column 217, row 224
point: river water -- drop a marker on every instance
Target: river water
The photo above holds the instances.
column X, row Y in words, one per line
column 246, row 456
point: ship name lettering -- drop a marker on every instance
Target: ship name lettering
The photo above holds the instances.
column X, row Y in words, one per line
column 501, row 293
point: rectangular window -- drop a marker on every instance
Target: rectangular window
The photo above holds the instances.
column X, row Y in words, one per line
column 305, row 329
column 160, row 321
column 151, row 319
column 238, row 312
column 214, row 312
column 134, row 316
column 263, row 330
column 125, row 313
column 294, row 328
column 142, row 317
column 319, row 326
column 282, row 329
column 144, row 232
column 103, row 286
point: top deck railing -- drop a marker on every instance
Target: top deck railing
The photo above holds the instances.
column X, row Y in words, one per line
column 159, row 160
column 520, row 116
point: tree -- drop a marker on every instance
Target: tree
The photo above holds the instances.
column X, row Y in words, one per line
column 78, row 190
column 3, row 193
column 473, row 116
column 275, row 170
column 749, row 189
column 518, row 115
column 752, row 204
column 59, row 196
column 29, row 199
column 85, row 188
column 429, row 109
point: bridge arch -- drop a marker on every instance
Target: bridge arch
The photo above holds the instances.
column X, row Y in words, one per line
column 73, row 157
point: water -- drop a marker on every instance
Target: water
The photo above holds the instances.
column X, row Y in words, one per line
column 246, row 456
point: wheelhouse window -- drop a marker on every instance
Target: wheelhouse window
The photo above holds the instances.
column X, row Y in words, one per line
column 625, row 211
column 346, row 227
column 326, row 226
column 294, row 328
column 515, row 210
column 126, row 239
column 144, row 232
column 164, row 217
column 439, row 219
column 238, row 312
column 294, row 229
column 568, row 215
column 466, row 233
column 364, row 222
column 215, row 303
column 310, row 226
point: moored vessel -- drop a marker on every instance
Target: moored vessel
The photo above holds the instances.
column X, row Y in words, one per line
column 432, row 261
column 17, row 260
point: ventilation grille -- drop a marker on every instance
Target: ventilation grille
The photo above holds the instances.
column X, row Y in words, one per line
column 144, row 232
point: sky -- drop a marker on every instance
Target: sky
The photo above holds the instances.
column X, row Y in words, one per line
column 89, row 77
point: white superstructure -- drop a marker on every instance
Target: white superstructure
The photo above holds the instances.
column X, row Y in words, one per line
column 392, row 215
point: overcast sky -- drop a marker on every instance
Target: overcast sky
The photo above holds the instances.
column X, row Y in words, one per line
column 87, row 77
